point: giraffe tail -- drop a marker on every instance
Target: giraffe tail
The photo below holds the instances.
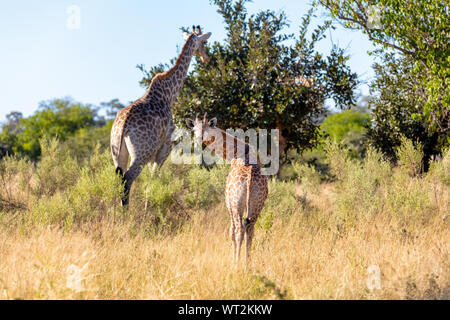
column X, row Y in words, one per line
column 119, row 171
column 249, row 185
column 117, row 140
column 246, row 224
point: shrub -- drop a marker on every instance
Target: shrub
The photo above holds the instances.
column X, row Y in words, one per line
column 280, row 204
column 93, row 193
column 56, row 170
column 440, row 170
column 205, row 188
column 348, row 127
column 357, row 194
column 98, row 190
column 308, row 176
column 52, row 210
column 358, row 183
column 376, row 166
column 15, row 180
column 410, row 156
column 159, row 189
column 338, row 159
column 407, row 199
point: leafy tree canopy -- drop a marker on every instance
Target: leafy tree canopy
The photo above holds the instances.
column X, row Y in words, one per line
column 260, row 77
column 394, row 103
column 343, row 124
column 418, row 31
column 349, row 127
column 59, row 118
column 79, row 127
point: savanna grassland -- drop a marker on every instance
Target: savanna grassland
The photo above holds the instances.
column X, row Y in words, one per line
column 64, row 235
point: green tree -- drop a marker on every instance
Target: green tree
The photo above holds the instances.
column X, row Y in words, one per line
column 9, row 132
column 394, row 103
column 349, row 127
column 260, row 77
column 111, row 108
column 78, row 127
column 59, row 118
column 412, row 77
column 84, row 142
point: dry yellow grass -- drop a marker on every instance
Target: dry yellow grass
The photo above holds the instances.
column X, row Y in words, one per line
column 294, row 259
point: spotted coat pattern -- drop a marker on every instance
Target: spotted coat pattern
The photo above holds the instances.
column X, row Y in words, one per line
column 143, row 130
column 246, row 187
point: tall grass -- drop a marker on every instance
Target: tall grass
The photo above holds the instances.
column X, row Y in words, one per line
column 64, row 235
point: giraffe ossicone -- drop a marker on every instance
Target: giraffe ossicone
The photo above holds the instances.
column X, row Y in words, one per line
column 143, row 130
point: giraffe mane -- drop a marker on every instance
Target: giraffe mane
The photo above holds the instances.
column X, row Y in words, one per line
column 237, row 143
column 230, row 136
column 166, row 74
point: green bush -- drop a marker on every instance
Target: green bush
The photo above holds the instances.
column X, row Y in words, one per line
column 376, row 166
column 159, row 189
column 281, row 204
column 15, row 175
column 98, row 190
column 56, row 171
column 205, row 188
column 357, row 194
column 58, row 191
column 51, row 210
column 358, row 182
column 86, row 194
column 407, row 199
column 83, row 143
column 57, row 118
column 365, row 188
column 440, row 170
column 348, row 127
column 308, row 176
column 410, row 156
column 338, row 159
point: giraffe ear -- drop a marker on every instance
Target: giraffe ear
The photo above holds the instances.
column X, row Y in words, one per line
column 212, row 123
column 185, row 35
column 190, row 123
column 205, row 36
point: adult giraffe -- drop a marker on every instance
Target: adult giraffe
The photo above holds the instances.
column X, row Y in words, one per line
column 143, row 130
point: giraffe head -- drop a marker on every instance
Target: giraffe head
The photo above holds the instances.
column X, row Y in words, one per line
column 204, row 130
column 199, row 41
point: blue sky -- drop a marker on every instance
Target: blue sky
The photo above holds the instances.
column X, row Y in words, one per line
column 41, row 58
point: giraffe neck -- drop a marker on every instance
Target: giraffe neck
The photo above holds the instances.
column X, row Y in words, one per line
column 221, row 142
column 167, row 85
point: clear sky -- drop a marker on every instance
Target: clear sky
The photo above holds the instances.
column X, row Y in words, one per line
column 42, row 58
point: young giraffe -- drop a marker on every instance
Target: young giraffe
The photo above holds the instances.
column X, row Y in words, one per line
column 143, row 130
column 246, row 187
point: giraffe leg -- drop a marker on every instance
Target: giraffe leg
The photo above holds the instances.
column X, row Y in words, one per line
column 233, row 238
column 163, row 153
column 122, row 161
column 249, row 232
column 239, row 236
column 160, row 158
column 132, row 173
